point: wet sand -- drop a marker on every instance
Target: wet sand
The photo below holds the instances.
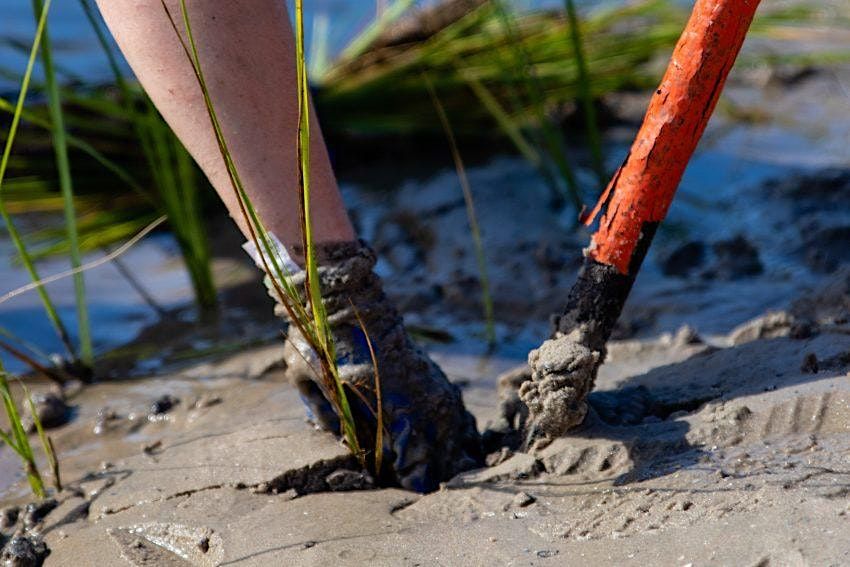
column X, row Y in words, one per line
column 691, row 454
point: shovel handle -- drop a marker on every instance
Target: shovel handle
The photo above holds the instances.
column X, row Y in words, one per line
column 643, row 187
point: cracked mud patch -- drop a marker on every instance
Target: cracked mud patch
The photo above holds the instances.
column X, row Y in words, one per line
column 261, row 457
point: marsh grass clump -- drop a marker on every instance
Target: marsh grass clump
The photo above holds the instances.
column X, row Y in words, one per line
column 74, row 361
column 524, row 78
column 505, row 78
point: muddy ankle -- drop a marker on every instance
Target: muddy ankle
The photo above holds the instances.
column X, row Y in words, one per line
column 429, row 434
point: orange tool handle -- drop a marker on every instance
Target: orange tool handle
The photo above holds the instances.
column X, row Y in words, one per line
column 643, row 188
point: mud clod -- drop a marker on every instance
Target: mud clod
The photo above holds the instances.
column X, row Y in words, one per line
column 523, row 499
column 36, row 512
column 810, row 364
column 563, row 371
column 206, row 400
column 684, row 260
column 24, row 551
column 163, row 405
column 343, row 480
column 51, row 409
column 686, row 336
column 9, row 517
column 498, row 457
column 735, row 258
column 826, row 249
column 769, row 326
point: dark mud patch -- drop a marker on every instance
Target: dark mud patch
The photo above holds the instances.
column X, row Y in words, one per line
column 724, row 260
column 24, row 551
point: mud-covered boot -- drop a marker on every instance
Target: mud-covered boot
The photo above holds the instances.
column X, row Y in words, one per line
column 431, row 435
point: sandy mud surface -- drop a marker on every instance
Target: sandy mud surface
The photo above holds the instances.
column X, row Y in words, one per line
column 691, row 454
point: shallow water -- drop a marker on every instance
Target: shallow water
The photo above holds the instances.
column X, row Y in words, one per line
column 117, row 312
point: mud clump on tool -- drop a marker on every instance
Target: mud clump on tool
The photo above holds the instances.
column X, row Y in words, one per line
column 430, row 436
column 563, row 374
column 563, row 369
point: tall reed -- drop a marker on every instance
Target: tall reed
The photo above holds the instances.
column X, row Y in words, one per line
column 63, row 167
column 314, row 294
column 14, row 234
column 17, row 439
column 585, row 96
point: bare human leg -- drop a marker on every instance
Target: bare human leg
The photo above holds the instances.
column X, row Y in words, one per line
column 247, row 51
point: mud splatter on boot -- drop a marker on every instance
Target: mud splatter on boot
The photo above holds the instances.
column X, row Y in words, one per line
column 431, row 435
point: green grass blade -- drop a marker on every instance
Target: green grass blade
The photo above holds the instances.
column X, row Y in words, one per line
column 46, row 443
column 63, row 166
column 481, row 258
column 363, row 40
column 15, row 236
column 18, row 439
column 594, row 140
column 379, row 398
column 314, row 293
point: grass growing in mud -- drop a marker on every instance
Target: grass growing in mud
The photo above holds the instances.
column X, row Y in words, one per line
column 63, row 166
column 14, row 234
column 501, row 74
column 313, row 325
column 585, row 96
column 17, row 439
